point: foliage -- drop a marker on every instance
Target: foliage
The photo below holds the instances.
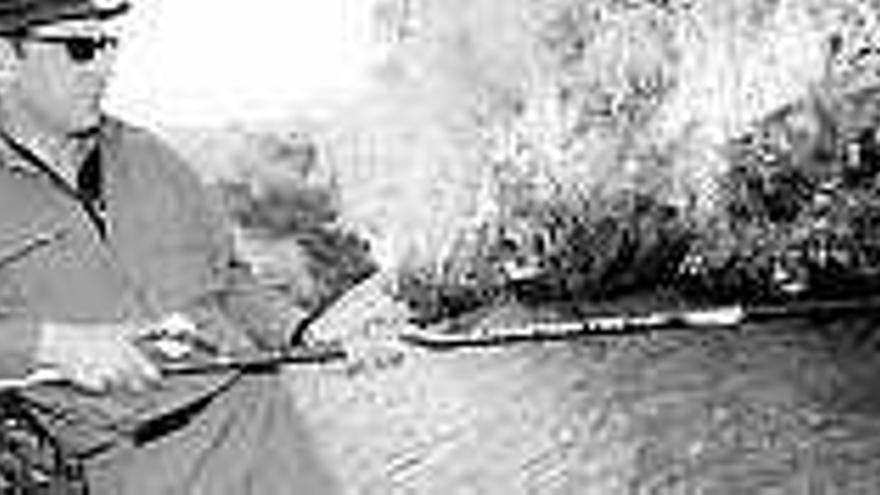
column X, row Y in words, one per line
column 290, row 216
column 615, row 146
column 798, row 216
column 800, row 210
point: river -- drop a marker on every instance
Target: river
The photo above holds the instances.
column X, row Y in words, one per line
column 787, row 408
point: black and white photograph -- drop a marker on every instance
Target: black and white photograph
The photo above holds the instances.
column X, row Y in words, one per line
column 440, row 247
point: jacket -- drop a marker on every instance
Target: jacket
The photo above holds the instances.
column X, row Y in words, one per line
column 166, row 249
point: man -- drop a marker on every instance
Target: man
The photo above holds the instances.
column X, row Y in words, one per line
column 104, row 237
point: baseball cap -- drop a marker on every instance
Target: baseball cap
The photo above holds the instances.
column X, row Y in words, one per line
column 17, row 15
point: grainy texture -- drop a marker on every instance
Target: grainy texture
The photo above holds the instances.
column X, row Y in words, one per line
column 789, row 408
column 477, row 84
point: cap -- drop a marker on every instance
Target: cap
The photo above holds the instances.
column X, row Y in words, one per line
column 16, row 15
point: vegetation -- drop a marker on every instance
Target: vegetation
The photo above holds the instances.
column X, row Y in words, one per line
column 723, row 150
column 315, row 257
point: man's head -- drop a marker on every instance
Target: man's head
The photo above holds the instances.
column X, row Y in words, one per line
column 55, row 59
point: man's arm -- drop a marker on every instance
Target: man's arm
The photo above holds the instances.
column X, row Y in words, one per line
column 195, row 272
column 93, row 356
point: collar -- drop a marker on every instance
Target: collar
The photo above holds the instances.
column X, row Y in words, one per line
column 12, row 161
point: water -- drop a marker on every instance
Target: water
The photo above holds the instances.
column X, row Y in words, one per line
column 787, row 408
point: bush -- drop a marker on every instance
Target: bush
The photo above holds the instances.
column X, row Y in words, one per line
column 617, row 154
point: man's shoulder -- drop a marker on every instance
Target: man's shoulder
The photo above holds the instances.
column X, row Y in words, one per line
column 126, row 137
column 145, row 152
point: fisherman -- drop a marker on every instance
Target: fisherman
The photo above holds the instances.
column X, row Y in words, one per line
column 106, row 240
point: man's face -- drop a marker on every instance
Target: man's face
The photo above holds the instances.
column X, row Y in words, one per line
column 52, row 88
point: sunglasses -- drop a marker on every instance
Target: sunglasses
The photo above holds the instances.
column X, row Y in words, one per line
column 80, row 49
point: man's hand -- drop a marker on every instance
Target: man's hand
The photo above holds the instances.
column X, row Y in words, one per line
column 97, row 358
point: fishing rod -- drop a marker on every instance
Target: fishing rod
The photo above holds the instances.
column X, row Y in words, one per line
column 633, row 322
column 312, row 353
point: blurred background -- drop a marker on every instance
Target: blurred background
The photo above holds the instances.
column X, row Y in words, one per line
column 432, row 136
